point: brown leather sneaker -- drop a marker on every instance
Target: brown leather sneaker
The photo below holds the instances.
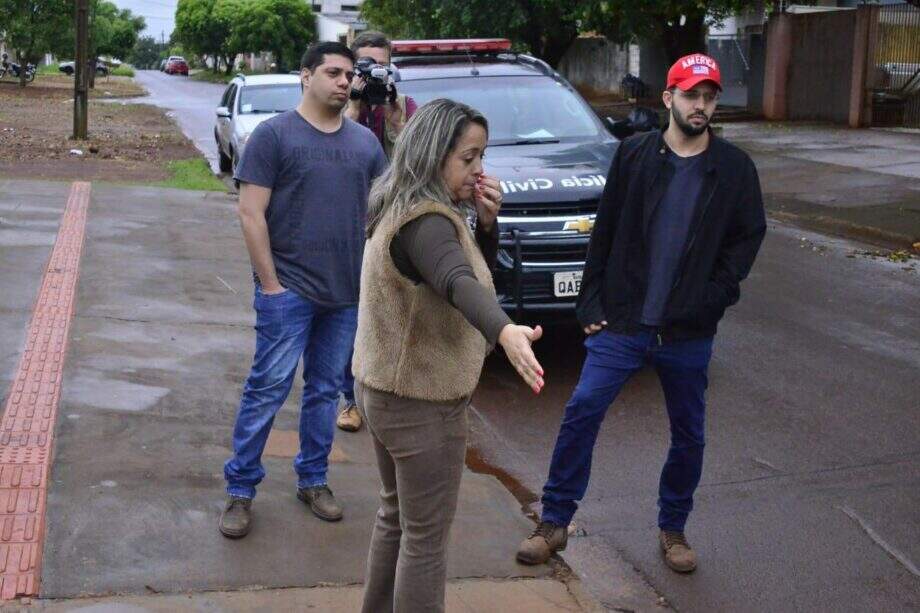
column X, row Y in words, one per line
column 544, row 541
column 321, row 502
column 677, row 552
column 349, row 419
column 236, row 519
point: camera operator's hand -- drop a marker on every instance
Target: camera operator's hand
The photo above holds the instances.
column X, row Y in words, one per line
column 353, row 108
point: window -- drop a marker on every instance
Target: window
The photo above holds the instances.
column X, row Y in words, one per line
column 527, row 108
column 269, row 98
column 225, row 99
column 231, row 97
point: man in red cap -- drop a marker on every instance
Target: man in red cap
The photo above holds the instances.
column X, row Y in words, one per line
column 677, row 230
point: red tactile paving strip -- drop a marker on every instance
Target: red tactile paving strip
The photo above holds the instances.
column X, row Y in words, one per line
column 27, row 427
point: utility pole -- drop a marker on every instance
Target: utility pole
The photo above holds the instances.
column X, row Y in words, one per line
column 81, row 77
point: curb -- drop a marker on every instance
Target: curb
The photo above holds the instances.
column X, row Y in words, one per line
column 846, row 229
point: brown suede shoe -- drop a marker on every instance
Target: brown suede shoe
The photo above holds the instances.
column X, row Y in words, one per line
column 236, row 519
column 677, row 552
column 321, row 502
column 545, row 540
column 349, row 419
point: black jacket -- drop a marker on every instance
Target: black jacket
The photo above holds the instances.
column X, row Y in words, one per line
column 725, row 234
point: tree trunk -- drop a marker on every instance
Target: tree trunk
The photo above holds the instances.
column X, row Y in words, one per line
column 22, row 68
column 556, row 45
column 229, row 69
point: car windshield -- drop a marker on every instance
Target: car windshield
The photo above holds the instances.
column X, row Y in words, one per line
column 520, row 110
column 269, row 98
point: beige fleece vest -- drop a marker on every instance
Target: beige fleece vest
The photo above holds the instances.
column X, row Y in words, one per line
column 410, row 341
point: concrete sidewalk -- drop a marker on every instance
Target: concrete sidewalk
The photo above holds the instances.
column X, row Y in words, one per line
column 463, row 596
column 862, row 184
column 160, row 345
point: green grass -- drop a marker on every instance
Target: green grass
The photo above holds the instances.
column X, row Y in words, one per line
column 208, row 76
column 123, row 71
column 193, row 174
column 48, row 69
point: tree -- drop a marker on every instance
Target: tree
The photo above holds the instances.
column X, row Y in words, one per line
column 225, row 13
column 547, row 27
column 680, row 27
column 33, row 27
column 284, row 27
column 197, row 29
column 146, row 52
column 113, row 31
column 543, row 27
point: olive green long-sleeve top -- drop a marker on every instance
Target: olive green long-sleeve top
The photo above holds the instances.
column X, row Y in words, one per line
column 427, row 250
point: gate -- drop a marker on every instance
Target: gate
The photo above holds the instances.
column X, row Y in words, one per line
column 896, row 62
column 732, row 54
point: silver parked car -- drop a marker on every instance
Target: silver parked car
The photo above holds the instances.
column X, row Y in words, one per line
column 247, row 102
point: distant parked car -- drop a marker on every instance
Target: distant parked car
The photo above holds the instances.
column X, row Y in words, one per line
column 176, row 65
column 68, row 68
column 898, row 75
column 247, row 102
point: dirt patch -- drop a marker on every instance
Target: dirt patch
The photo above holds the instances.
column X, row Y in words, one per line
column 106, row 87
column 128, row 142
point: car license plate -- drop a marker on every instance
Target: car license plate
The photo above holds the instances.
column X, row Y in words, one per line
column 566, row 284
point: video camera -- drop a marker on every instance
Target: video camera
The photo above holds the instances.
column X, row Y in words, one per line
column 378, row 89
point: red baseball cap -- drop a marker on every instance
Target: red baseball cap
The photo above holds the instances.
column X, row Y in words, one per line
column 691, row 70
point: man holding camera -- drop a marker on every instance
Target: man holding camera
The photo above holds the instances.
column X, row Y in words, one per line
column 375, row 104
column 387, row 115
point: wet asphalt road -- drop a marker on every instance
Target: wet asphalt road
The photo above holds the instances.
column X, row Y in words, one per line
column 810, row 498
column 811, row 484
column 192, row 103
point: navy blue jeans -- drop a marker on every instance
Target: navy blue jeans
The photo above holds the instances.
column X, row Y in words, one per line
column 289, row 327
column 611, row 360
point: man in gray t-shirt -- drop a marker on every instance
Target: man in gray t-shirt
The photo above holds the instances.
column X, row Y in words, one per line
column 304, row 181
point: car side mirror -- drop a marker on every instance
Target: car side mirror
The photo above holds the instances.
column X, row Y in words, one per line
column 621, row 128
column 223, row 111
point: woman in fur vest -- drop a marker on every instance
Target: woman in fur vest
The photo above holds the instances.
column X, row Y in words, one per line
column 426, row 320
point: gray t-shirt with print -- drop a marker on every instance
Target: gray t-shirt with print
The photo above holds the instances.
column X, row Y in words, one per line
column 316, row 216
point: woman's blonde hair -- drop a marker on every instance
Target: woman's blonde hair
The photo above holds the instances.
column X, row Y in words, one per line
column 415, row 174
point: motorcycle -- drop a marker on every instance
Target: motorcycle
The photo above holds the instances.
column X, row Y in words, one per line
column 13, row 69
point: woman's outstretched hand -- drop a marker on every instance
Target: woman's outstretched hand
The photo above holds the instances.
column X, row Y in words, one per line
column 516, row 341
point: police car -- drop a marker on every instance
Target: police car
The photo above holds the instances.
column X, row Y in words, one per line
column 546, row 146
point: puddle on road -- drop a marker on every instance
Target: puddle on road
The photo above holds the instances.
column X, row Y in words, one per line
column 476, row 463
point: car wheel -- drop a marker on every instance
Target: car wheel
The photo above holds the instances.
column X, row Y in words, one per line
column 224, row 162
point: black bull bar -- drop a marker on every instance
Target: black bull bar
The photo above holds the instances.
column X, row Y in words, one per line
column 520, row 244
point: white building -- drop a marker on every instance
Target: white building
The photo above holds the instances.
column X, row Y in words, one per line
column 338, row 19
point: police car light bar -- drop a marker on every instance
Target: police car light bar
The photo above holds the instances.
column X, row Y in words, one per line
column 424, row 47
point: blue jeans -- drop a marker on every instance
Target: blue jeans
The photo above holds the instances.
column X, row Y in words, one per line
column 348, row 385
column 611, row 360
column 289, row 326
